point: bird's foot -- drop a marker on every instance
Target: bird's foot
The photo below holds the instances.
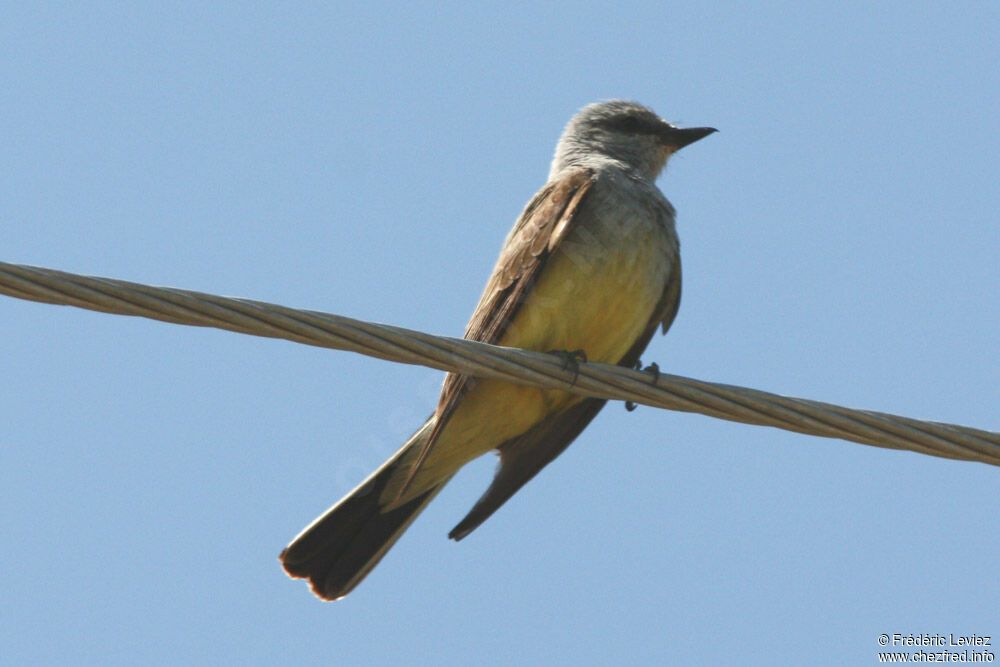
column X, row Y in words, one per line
column 571, row 359
column 653, row 369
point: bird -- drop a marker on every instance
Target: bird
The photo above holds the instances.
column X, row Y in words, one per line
column 591, row 269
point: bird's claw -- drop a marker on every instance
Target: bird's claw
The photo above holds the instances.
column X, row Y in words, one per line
column 653, row 369
column 571, row 359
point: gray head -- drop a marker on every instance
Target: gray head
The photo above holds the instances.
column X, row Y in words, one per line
column 623, row 131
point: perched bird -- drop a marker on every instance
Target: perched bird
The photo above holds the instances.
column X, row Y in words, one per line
column 591, row 265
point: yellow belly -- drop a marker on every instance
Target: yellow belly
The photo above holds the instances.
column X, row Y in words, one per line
column 593, row 296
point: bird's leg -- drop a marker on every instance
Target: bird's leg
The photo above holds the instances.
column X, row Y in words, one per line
column 654, row 369
column 571, row 359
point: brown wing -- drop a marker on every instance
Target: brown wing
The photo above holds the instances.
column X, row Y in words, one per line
column 543, row 224
column 522, row 457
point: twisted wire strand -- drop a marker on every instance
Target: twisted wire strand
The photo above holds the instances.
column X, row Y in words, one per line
column 537, row 369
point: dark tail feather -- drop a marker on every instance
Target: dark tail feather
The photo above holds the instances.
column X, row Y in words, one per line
column 341, row 547
column 521, row 458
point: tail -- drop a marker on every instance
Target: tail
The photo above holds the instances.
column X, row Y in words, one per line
column 337, row 550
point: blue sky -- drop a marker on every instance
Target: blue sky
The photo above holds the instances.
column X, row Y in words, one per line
column 840, row 240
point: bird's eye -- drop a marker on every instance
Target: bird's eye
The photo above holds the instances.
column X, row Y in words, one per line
column 629, row 124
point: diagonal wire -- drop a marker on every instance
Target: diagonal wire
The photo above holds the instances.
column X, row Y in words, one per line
column 537, row 369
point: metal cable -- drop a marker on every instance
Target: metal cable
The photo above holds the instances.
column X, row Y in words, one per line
column 537, row 369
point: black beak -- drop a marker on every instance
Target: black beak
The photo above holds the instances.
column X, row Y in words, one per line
column 679, row 137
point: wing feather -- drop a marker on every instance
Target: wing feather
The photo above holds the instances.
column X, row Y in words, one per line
column 521, row 458
column 544, row 223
